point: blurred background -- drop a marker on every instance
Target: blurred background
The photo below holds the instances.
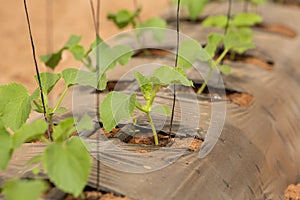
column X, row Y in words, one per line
column 52, row 22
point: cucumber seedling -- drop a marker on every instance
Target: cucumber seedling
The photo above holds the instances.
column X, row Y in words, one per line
column 117, row 106
column 237, row 28
column 60, row 157
column 124, row 18
column 194, row 7
column 191, row 51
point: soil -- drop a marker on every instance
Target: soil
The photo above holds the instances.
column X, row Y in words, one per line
column 94, row 195
column 260, row 63
column 153, row 52
column 292, row 192
column 241, row 99
column 278, row 29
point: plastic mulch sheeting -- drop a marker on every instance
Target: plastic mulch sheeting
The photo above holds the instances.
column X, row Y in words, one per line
column 258, row 152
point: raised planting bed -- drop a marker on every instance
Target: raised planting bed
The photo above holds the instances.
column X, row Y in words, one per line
column 256, row 155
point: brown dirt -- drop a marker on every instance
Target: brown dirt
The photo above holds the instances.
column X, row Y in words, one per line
column 192, row 144
column 279, row 29
column 292, row 192
column 93, row 195
column 260, row 63
column 241, row 99
column 68, row 18
column 162, row 140
column 153, row 52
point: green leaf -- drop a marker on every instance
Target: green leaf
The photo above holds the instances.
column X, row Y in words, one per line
column 70, row 75
column 166, row 75
column 14, row 105
column 60, row 110
column 122, row 18
column 29, row 132
column 68, row 165
column 214, row 40
column 238, row 41
column 161, row 109
column 6, row 144
column 122, row 53
column 63, row 130
column 72, row 41
column 48, row 81
column 24, row 189
column 246, row 19
column 85, row 123
column 195, row 8
column 145, row 85
column 102, row 83
column 158, row 26
column 257, row 2
column 115, row 107
column 244, row 34
column 97, row 41
column 35, row 159
column 189, row 51
column 77, row 51
column 219, row 21
column 226, row 69
column 87, row 78
column 52, row 60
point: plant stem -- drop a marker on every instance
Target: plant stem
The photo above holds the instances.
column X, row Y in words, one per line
column 206, row 81
column 221, row 57
column 38, row 106
column 212, row 66
column 60, row 99
column 149, row 105
column 153, row 128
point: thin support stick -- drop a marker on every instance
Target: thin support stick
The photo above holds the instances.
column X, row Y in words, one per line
column 228, row 16
column 176, row 64
column 36, row 67
column 96, row 22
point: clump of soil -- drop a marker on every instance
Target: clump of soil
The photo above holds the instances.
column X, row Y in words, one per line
column 279, row 29
column 260, row 63
column 152, row 52
column 241, row 99
column 163, row 140
column 112, row 133
column 192, row 144
column 94, row 195
column 292, row 192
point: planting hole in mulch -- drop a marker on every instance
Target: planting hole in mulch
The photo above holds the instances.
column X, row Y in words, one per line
column 152, row 52
column 261, row 61
column 172, row 20
column 278, row 29
column 292, row 192
column 94, row 195
column 240, row 98
column 264, row 63
column 144, row 138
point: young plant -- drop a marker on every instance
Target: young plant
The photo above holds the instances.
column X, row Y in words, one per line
column 124, row 18
column 108, row 57
column 60, row 156
column 237, row 28
column 254, row 3
column 117, row 106
column 195, row 7
column 190, row 51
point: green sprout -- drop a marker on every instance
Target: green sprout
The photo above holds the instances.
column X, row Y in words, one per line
column 117, row 106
